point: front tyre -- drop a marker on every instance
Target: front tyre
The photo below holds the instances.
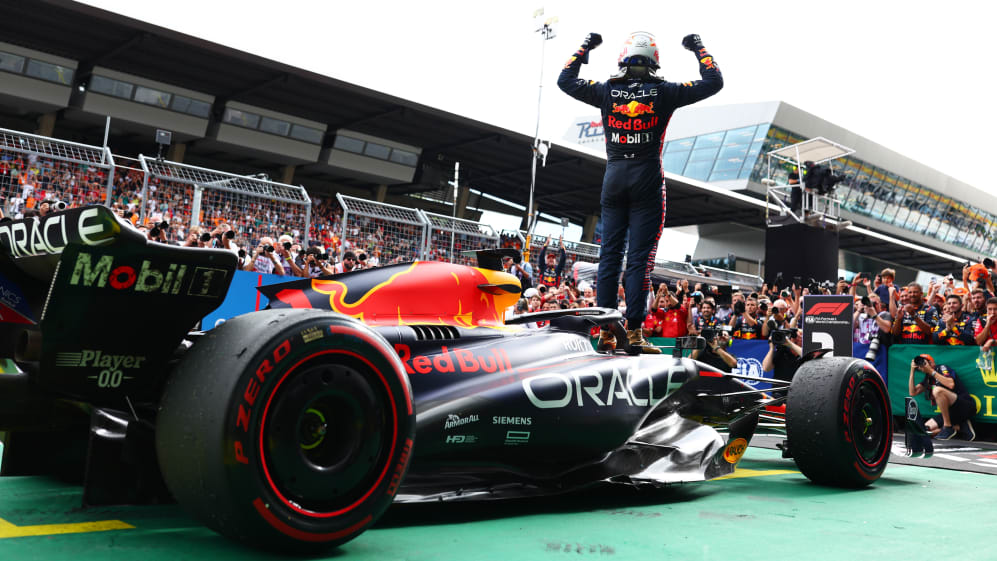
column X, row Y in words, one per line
column 838, row 422
column 287, row 429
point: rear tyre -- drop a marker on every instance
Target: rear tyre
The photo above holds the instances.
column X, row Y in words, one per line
column 838, row 422
column 287, row 429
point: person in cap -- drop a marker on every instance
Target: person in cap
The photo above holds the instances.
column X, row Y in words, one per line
column 946, row 391
column 636, row 106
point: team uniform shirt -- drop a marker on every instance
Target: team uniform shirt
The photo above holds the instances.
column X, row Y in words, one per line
column 744, row 330
column 960, row 334
column 675, row 322
column 551, row 276
column 911, row 333
column 700, row 323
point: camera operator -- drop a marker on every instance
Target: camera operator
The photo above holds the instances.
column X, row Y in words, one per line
column 977, row 275
column 715, row 354
column 522, row 271
column 316, row 264
column 785, row 348
column 778, row 318
column 915, row 320
column 986, row 333
column 283, row 251
column 264, row 260
column 745, row 319
column 947, row 392
column 954, row 328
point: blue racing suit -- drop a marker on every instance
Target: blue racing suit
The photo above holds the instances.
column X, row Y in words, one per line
column 635, row 113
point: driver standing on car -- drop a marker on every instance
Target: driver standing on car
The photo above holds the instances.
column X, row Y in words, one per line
column 636, row 105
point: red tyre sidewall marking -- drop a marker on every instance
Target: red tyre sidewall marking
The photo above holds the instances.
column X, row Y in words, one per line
column 886, row 449
column 391, row 452
column 301, row 534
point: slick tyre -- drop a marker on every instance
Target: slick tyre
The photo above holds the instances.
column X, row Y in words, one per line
column 838, row 422
column 287, row 429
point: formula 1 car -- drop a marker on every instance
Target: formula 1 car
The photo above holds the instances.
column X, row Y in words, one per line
column 295, row 427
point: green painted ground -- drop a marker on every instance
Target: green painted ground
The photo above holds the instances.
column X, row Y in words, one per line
column 768, row 515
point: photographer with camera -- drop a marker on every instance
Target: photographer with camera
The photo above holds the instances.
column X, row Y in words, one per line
column 158, row 232
column 978, row 275
column 283, row 248
column 264, row 258
column 778, row 318
column 715, row 354
column 915, row 320
column 785, row 348
column 947, row 392
column 316, row 264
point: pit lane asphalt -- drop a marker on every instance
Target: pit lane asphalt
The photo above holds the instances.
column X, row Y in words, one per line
column 765, row 510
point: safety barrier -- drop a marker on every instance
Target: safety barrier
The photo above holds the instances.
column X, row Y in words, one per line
column 448, row 237
column 390, row 232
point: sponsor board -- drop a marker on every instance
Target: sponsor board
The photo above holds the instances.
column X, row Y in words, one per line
column 827, row 323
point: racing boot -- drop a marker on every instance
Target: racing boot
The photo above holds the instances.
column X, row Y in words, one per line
column 638, row 344
column 607, row 342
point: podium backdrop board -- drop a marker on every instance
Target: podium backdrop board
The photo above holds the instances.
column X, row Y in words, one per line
column 798, row 250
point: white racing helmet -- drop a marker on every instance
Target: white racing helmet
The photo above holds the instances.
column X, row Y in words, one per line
column 640, row 49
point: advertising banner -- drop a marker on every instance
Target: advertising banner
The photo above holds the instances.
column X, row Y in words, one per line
column 976, row 370
column 827, row 323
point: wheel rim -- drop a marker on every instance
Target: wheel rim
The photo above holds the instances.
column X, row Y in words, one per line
column 327, row 435
column 868, row 423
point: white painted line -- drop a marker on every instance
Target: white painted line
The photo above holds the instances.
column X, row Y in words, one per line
column 950, row 457
column 987, row 461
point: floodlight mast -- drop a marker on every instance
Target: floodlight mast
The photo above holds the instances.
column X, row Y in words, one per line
column 546, row 31
column 816, row 207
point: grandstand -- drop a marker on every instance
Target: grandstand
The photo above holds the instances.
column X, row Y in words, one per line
column 68, row 66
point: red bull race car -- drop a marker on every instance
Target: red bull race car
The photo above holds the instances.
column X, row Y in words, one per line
column 296, row 427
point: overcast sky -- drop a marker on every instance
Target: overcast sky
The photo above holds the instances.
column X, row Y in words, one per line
column 912, row 76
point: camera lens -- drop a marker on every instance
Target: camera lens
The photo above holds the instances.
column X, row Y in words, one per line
column 268, row 248
column 164, row 225
column 205, row 237
column 242, row 254
column 230, row 235
column 287, row 246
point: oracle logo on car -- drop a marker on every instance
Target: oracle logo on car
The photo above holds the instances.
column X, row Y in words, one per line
column 636, row 388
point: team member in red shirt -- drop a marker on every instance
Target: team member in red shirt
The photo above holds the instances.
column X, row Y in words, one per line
column 986, row 334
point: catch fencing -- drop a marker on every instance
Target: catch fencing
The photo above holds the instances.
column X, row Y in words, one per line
column 37, row 168
column 204, row 198
column 448, row 238
column 390, row 233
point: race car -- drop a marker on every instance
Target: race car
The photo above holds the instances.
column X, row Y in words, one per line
column 296, row 427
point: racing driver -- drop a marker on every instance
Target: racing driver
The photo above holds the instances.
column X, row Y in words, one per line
column 636, row 105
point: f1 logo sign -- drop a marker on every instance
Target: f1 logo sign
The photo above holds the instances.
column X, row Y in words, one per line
column 831, row 308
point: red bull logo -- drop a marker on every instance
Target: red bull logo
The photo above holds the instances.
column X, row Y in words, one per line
column 707, row 61
column 634, row 108
column 415, row 293
column 631, row 124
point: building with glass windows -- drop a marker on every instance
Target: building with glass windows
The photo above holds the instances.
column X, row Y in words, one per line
column 725, row 146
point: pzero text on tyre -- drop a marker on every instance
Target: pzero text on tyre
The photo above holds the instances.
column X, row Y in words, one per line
column 838, row 422
column 287, row 429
